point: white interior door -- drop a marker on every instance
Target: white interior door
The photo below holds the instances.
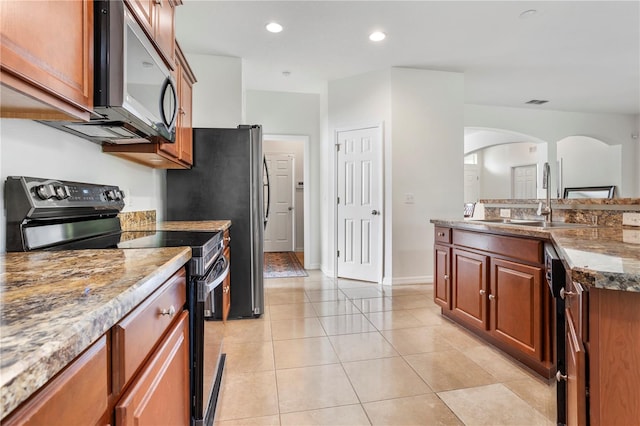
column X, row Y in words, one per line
column 524, row 182
column 278, row 236
column 360, row 222
column 471, row 183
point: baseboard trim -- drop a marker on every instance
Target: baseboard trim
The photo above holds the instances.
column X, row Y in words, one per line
column 425, row 279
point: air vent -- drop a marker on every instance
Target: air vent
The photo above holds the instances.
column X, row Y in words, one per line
column 536, row 102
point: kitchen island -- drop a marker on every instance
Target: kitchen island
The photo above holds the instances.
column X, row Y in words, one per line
column 55, row 305
column 601, row 296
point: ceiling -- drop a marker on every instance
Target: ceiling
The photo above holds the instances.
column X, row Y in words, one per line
column 579, row 55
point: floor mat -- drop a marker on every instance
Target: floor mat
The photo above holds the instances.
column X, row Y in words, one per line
column 282, row 265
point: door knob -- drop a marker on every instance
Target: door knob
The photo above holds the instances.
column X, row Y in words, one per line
column 375, row 212
column 290, row 208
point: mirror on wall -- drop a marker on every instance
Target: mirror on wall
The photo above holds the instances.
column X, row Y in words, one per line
column 506, row 165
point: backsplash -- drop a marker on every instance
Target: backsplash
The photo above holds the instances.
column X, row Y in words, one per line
column 133, row 220
column 606, row 212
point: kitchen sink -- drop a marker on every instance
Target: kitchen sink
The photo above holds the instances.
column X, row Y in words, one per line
column 531, row 222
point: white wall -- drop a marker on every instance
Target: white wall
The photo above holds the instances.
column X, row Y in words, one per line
column 496, row 164
column 353, row 102
column 28, row 148
column 296, row 148
column 427, row 113
column 552, row 126
column 282, row 113
column 217, row 95
column 423, row 118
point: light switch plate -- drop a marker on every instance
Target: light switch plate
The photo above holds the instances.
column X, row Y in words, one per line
column 505, row 212
column 409, row 198
column 631, row 219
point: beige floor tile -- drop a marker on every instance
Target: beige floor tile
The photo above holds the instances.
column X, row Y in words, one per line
column 282, row 298
column 363, row 292
column 347, row 415
column 253, row 421
column 417, row 410
column 416, row 340
column 384, row 378
column 376, row 304
column 304, row 352
column 309, row 388
column 325, row 295
column 409, row 290
column 335, row 307
column 413, row 301
column 249, row 356
column 539, row 395
column 236, row 402
column 346, row 283
column 247, row 330
column 497, row 364
column 289, row 311
column 346, row 324
column 296, row 328
column 491, row 405
column 428, row 316
column 389, row 320
column 446, row 370
column 459, row 337
column 319, row 285
column 283, row 289
column 362, row 346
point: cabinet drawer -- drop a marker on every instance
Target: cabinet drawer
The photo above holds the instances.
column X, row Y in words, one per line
column 443, row 235
column 77, row 396
column 525, row 249
column 138, row 333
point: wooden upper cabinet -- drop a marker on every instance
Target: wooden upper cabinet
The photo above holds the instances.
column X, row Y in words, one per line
column 185, row 116
column 46, row 58
column 157, row 19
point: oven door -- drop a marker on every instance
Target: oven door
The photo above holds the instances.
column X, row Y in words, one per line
column 208, row 361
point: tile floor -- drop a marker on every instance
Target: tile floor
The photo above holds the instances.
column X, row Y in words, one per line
column 343, row 352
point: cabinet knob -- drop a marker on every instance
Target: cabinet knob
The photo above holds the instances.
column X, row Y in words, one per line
column 446, row 277
column 560, row 377
column 171, row 311
column 564, row 293
column 482, row 292
column 440, row 234
column 225, row 289
column 492, row 297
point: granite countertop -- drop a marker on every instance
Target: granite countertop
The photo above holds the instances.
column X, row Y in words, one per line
column 601, row 257
column 55, row 304
column 197, row 225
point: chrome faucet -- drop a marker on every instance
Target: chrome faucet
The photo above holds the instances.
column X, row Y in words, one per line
column 546, row 184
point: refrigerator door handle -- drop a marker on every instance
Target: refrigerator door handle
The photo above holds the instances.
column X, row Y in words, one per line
column 268, row 185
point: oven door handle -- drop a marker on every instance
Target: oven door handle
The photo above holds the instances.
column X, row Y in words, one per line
column 212, row 280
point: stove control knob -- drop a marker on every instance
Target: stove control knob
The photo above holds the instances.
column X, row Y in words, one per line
column 62, row 192
column 121, row 192
column 110, row 195
column 45, row 192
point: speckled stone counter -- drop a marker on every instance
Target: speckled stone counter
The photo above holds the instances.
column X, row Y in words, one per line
column 178, row 225
column 602, row 257
column 55, row 304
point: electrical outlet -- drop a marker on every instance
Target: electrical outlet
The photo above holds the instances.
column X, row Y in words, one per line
column 631, row 219
column 505, row 212
column 630, row 236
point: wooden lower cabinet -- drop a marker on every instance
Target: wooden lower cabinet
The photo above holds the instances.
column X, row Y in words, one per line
column 575, row 375
column 498, row 291
column 515, row 299
column 442, row 276
column 77, row 396
column 226, row 289
column 470, row 288
column 160, row 394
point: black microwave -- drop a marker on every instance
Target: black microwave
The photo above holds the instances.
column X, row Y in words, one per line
column 135, row 98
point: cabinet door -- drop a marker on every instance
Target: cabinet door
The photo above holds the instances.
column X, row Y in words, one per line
column 47, row 72
column 164, row 29
column 515, row 307
column 160, row 394
column 185, row 121
column 576, row 375
column 226, row 289
column 470, row 288
column 77, row 396
column 441, row 287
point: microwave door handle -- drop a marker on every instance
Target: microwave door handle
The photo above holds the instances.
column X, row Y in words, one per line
column 169, row 83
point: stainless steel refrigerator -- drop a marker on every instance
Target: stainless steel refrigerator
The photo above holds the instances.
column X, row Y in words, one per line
column 226, row 182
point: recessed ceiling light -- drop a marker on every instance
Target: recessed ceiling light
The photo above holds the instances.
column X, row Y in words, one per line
column 528, row 13
column 273, row 27
column 536, row 102
column 286, row 73
column 377, row 36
